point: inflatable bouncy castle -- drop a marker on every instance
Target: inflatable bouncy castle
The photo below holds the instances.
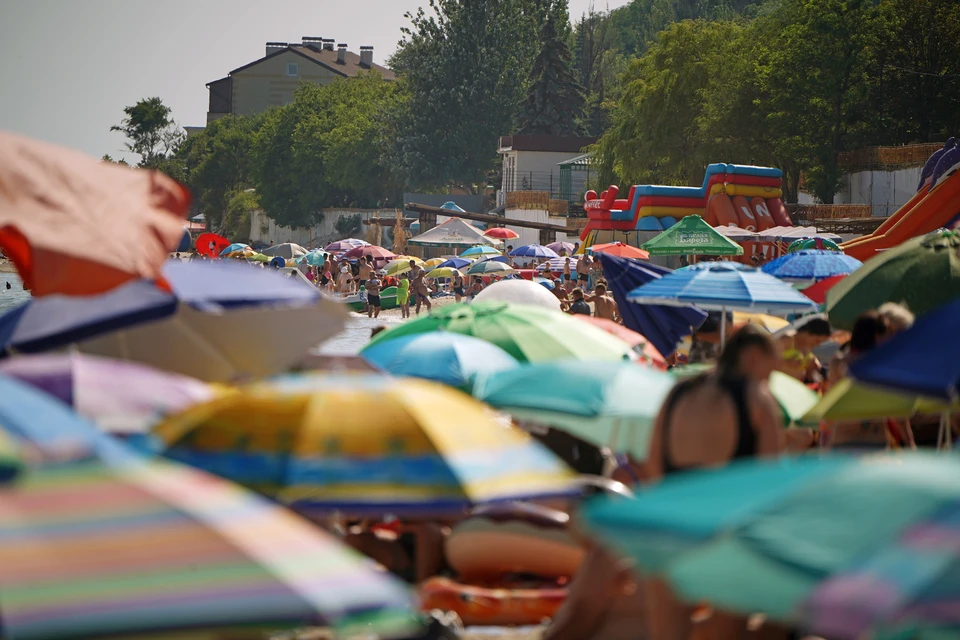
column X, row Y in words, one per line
column 731, row 194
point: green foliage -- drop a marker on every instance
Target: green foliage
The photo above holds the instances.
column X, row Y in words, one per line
column 241, row 203
column 151, row 132
column 598, row 66
column 348, row 226
column 108, row 158
column 554, row 102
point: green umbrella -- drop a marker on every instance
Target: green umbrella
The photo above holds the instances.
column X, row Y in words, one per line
column 528, row 333
column 490, row 267
column 922, row 273
column 607, row 405
column 692, row 237
column 315, row 258
column 851, row 400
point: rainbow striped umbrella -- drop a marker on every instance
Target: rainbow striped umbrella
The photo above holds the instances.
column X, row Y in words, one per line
column 364, row 444
column 131, row 547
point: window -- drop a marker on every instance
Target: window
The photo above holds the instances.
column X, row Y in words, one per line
column 292, row 69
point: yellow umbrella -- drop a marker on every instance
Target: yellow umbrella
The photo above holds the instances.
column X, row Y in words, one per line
column 433, row 262
column 445, row 272
column 771, row 324
column 851, row 400
column 364, row 443
column 401, row 264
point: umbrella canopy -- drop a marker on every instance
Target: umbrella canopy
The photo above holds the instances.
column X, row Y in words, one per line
column 794, row 532
column 546, row 282
column 121, row 398
column 277, row 262
column 185, row 241
column 648, row 352
column 364, row 444
column 442, row 272
column 922, row 273
column 441, row 356
column 556, row 265
column 501, row 233
column 717, row 286
column 735, row 233
column 923, row 360
column 455, row 232
column 211, row 245
column 77, row 226
column 490, row 267
column 233, row 249
column 479, row 250
column 379, row 254
column 569, row 247
column 520, row 292
column 820, row 243
column 455, row 263
column 608, row 405
column 286, row 250
column 132, row 548
column 534, row 251
column 221, row 321
column 621, row 250
column 401, row 264
column 852, row 400
column 770, row 324
column 528, row 333
column 345, row 245
column 314, row 258
column 692, row 236
column 818, row 292
column 663, row 325
column 433, row 263
column 811, row 264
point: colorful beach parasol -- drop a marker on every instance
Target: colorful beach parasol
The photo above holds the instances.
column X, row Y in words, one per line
column 314, row 258
column 811, row 264
column 401, row 264
column 433, row 263
column 363, row 444
column 77, row 226
column 519, row 292
column 490, row 267
column 819, row 244
column 211, row 245
column 608, row 405
column 852, row 400
column 818, row 292
column 380, row 255
column 234, row 250
column 442, row 272
column 455, row 263
column 636, row 340
column 691, row 236
column 569, row 247
column 345, row 245
column 479, row 250
column 501, row 233
column 528, row 333
column 286, row 250
column 621, row 250
column 441, row 356
column 770, row 324
column 534, row 251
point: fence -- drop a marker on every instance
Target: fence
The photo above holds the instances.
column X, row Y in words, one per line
column 806, row 214
column 885, row 158
column 539, row 200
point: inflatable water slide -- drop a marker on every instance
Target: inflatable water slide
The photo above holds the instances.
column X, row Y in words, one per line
column 731, row 194
column 935, row 205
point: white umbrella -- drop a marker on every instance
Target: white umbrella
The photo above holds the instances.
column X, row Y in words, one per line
column 288, row 250
column 521, row 292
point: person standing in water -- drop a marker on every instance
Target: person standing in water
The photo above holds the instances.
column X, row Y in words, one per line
column 373, row 296
column 403, row 295
column 419, row 286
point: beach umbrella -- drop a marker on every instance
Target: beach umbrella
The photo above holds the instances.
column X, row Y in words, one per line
column 605, row 404
column 122, row 398
column 736, row 234
column 636, row 340
column 345, row 245
column 852, row 400
column 76, row 226
column 620, row 249
column 455, row 263
column 233, row 249
column 287, row 250
column 401, row 264
column 818, row 292
column 441, row 356
column 364, row 444
column 185, row 241
column 691, row 236
column 807, row 538
column 520, row 292
column 501, row 233
column 534, row 251
column 220, row 321
column 820, row 244
column 315, row 258
column 503, row 259
column 557, row 247
column 528, row 333
column 132, row 548
column 811, row 264
column 479, row 250
column 258, row 257
column 442, row 272
column 556, row 265
column 211, row 245
column 923, row 360
column 770, row 324
column 664, row 326
column 545, row 282
column 488, row 267
column 277, row 262
column 379, row 254
column 433, row 263
column 450, row 205
column 922, row 273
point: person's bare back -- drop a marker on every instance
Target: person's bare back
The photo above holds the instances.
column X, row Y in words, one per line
column 605, row 307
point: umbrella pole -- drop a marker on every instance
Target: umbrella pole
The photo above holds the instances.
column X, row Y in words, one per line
column 723, row 327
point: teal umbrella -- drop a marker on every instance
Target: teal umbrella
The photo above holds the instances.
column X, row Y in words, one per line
column 606, row 404
column 315, row 258
column 480, row 250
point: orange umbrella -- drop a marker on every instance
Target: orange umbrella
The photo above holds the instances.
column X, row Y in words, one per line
column 818, row 292
column 621, row 250
column 629, row 336
column 74, row 225
column 501, row 233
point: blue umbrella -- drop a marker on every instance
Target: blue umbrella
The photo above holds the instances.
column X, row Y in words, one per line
column 663, row 326
column 503, row 259
column 451, row 358
column 547, row 282
column 534, row 251
column 450, row 205
column 278, row 262
column 236, row 246
column 185, row 241
column 454, row 263
column 811, row 264
column 924, row 359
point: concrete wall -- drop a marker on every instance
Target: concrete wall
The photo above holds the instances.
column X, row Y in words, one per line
column 535, row 171
column 884, row 191
column 265, row 85
column 263, row 229
column 532, row 236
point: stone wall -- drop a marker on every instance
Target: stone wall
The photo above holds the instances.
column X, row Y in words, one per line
column 263, row 229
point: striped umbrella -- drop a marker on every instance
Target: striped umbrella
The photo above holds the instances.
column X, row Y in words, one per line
column 534, row 251
column 345, row 245
column 363, row 444
column 234, row 249
column 479, row 250
column 811, row 264
column 490, row 267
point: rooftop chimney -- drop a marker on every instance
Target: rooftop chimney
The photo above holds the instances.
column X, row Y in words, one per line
column 313, row 41
column 366, row 57
column 328, row 44
column 341, row 54
column 273, row 47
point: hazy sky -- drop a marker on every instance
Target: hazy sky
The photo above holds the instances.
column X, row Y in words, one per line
column 68, row 67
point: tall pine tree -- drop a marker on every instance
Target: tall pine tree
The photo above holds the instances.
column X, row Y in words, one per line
column 554, row 100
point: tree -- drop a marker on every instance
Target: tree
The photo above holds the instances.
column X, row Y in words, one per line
column 554, row 102
column 348, row 225
column 151, row 132
column 241, row 203
column 464, row 67
column 598, row 66
column 108, row 158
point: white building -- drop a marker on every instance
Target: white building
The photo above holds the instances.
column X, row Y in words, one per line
column 532, row 163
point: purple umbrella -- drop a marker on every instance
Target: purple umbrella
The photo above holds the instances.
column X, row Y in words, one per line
column 561, row 246
column 345, row 245
column 122, row 398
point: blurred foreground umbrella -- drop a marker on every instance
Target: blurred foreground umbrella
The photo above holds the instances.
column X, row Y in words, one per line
column 526, row 332
column 74, row 225
column 521, row 292
column 852, row 400
column 185, row 242
column 122, row 398
column 770, row 324
column 840, row 545
column 632, row 338
column 131, row 548
column 222, row 321
column 663, row 326
column 441, row 356
column 922, row 273
column 211, row 245
column 607, row 405
column 363, row 444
